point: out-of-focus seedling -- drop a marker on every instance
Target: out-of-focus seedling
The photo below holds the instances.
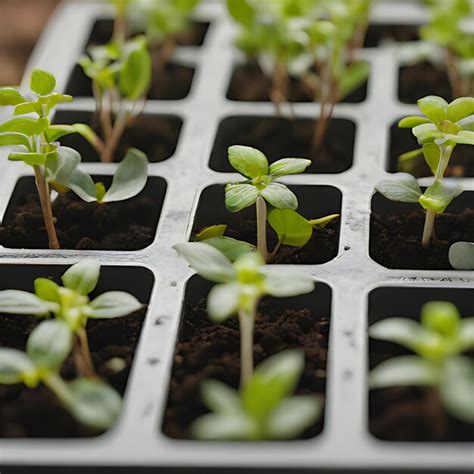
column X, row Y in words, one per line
column 461, row 255
column 240, row 288
column 71, row 305
column 437, row 342
column 264, row 409
column 442, row 128
column 261, row 186
column 90, row 401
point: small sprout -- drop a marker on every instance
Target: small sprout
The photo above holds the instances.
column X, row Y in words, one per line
column 90, row 401
column 437, row 342
column 71, row 305
column 261, row 186
column 240, row 288
column 264, row 409
column 461, row 255
column 438, row 132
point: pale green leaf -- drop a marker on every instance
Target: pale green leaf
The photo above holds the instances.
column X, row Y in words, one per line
column 113, row 304
column 231, row 248
column 220, row 398
column 82, row 277
column 461, row 255
column 279, row 196
column 287, row 166
column 14, row 365
column 239, row 196
column 22, row 302
column 281, row 283
column 223, row 301
column 400, row 187
column 42, row 82
column 248, row 161
column 291, row 227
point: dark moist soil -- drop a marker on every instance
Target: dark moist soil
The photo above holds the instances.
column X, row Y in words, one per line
column 280, row 137
column 395, row 240
column 35, row 412
column 249, row 83
column 420, row 80
column 410, row 413
column 126, row 225
column 402, row 140
column 211, row 351
column 376, row 34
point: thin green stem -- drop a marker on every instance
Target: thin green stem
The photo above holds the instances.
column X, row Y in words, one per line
column 262, row 227
column 246, row 321
column 57, row 385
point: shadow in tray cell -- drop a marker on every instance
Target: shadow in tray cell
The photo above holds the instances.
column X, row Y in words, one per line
column 206, row 350
column 411, row 413
column 314, row 202
column 378, row 34
column 35, row 413
column 125, row 225
column 285, row 138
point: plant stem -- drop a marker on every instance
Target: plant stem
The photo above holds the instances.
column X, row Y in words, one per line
column 86, row 355
column 113, row 141
column 45, row 200
column 120, row 28
column 262, row 227
column 279, row 91
column 57, row 385
column 453, row 74
column 246, row 321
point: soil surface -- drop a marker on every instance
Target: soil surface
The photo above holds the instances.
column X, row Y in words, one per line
column 402, row 140
column 126, row 225
column 35, row 412
column 410, row 413
column 395, row 239
column 282, row 138
column 211, row 351
column 249, row 83
column 420, row 80
column 379, row 33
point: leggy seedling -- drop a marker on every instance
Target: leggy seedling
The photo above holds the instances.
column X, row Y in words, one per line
column 437, row 342
column 90, row 401
column 240, row 288
column 261, row 186
column 70, row 304
column 264, row 408
column 439, row 131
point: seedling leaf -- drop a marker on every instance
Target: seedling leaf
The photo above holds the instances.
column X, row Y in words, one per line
column 279, row 196
column 82, row 277
column 14, row 364
column 461, row 255
column 10, row 96
column 291, row 227
column 401, row 187
column 240, row 196
column 231, row 248
column 439, row 195
column 22, row 302
column 113, row 304
column 248, row 161
column 42, row 82
column 223, row 301
column 287, row 166
column 285, row 284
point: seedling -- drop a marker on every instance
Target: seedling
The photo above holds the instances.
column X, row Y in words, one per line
column 461, row 255
column 71, row 305
column 90, row 401
column 261, row 186
column 120, row 19
column 264, row 408
column 240, row 288
column 437, row 342
column 121, row 75
column 439, row 131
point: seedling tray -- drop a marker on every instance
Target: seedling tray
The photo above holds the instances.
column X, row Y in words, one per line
column 137, row 439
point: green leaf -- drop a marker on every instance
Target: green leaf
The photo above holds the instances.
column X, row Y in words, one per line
column 223, row 301
column 46, row 290
column 135, row 74
column 291, row 227
column 49, row 344
column 402, row 371
column 14, row 366
column 292, row 416
column 82, row 184
column 322, row 222
column 460, row 108
column 60, row 168
column 42, row 82
column 228, row 426
column 432, row 154
column 248, row 161
column 466, row 334
column 82, row 277
column 457, row 387
column 279, row 196
column 26, row 125
column 239, row 196
column 31, row 159
column 287, row 166
column 211, row 232
column 412, row 121
column 22, row 302
column 353, row 76
column 441, row 316
column 113, row 304
column 439, row 195
column 426, row 133
column 403, row 331
column 231, row 248
column 282, row 284
column 400, row 187
column 13, row 138
column 462, row 138
column 55, row 132
column 130, row 177
column 219, row 397
column 433, row 107
column 461, row 255
column 27, row 108
column 241, row 11
column 207, row 261
column 95, row 403
column 10, row 96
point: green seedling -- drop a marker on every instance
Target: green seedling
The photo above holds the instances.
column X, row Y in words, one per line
column 261, row 186
column 120, row 19
column 264, row 409
column 461, row 255
column 442, row 128
column 89, row 400
column 71, row 305
column 437, row 342
column 121, row 75
column 240, row 287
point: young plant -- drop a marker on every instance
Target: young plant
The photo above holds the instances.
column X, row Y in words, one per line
column 442, row 128
column 89, row 400
column 70, row 304
column 121, row 75
column 437, row 342
column 264, row 409
column 240, row 288
column 261, row 186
